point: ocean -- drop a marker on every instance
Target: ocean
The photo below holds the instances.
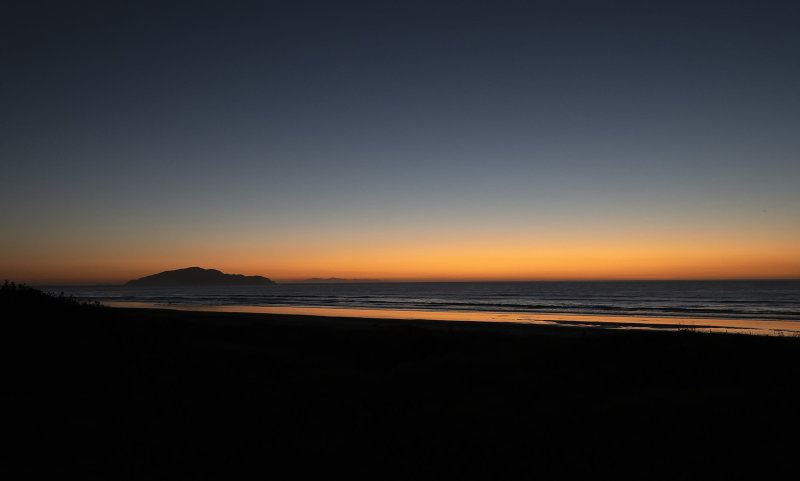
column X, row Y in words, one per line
column 750, row 302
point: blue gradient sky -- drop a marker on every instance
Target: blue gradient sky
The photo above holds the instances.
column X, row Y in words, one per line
column 400, row 139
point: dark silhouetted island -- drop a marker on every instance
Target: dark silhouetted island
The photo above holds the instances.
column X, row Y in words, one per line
column 197, row 276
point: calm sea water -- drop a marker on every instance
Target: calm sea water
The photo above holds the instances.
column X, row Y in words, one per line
column 773, row 300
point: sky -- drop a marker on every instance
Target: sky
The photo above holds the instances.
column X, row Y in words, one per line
column 404, row 140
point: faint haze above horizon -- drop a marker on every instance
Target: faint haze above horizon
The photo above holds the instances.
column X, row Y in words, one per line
column 400, row 140
column 50, row 283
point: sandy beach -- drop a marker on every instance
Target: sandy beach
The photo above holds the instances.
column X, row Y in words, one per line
column 485, row 318
column 164, row 394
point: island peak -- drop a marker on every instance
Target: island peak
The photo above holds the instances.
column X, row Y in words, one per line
column 197, row 276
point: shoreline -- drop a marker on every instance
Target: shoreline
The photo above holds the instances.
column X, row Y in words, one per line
column 489, row 318
column 133, row 393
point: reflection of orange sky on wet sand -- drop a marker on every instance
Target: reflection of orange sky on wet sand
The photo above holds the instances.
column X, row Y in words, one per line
column 763, row 327
column 464, row 261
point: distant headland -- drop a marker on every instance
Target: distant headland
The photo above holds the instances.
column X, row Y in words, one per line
column 197, row 276
column 333, row 280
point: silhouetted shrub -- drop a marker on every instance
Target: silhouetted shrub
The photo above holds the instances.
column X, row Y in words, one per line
column 19, row 296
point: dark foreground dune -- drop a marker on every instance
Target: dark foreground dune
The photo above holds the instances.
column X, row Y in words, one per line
column 157, row 394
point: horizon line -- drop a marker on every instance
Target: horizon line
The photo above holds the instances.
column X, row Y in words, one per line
column 433, row 281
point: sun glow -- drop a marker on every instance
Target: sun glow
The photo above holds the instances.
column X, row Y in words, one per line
column 447, row 260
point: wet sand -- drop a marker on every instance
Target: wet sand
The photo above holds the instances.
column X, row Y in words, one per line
column 114, row 393
column 769, row 327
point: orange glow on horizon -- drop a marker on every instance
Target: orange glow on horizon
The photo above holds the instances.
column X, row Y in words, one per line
column 467, row 261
